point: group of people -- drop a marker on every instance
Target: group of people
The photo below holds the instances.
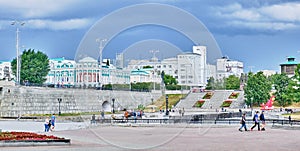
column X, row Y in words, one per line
column 50, row 123
column 256, row 119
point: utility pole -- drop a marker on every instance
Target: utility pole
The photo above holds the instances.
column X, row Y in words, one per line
column 18, row 70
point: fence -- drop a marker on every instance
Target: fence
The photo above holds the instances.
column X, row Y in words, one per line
column 196, row 121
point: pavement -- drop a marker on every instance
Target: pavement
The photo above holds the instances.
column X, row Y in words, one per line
column 86, row 137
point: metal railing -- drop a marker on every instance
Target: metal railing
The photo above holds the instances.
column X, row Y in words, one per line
column 194, row 121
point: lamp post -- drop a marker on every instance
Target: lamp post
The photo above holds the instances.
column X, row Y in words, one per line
column 186, row 79
column 17, row 24
column 100, row 41
column 113, row 105
column 167, row 102
column 59, row 101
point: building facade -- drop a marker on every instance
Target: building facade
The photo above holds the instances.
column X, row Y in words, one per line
column 227, row 67
column 62, row 72
column 5, row 71
column 90, row 74
column 289, row 66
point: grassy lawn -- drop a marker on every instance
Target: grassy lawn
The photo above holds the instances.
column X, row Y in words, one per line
column 173, row 99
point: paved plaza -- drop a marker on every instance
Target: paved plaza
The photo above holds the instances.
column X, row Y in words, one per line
column 85, row 137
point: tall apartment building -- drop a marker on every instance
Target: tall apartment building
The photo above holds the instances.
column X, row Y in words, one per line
column 187, row 68
column 227, row 67
column 5, row 70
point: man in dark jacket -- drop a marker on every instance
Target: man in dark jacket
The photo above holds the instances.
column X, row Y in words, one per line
column 256, row 121
column 263, row 121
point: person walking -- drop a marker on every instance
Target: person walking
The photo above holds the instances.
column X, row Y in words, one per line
column 263, row 121
column 46, row 124
column 243, row 122
column 53, row 118
column 256, row 121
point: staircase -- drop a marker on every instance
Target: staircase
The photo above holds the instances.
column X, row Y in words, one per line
column 216, row 100
column 190, row 100
column 239, row 102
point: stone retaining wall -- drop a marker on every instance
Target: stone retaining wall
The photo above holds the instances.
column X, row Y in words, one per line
column 18, row 101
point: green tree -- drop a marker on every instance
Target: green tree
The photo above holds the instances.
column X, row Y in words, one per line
column 280, row 83
column 169, row 80
column 293, row 93
column 232, row 83
column 34, row 66
column 257, row 89
column 211, row 84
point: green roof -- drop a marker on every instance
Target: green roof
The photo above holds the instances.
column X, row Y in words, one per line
column 290, row 61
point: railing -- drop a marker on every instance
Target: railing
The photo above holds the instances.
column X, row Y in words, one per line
column 195, row 121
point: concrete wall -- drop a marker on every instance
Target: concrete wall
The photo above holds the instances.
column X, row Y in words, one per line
column 16, row 101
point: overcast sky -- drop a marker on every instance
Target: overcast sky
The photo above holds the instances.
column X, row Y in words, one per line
column 260, row 33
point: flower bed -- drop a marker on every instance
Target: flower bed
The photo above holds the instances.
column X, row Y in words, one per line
column 208, row 95
column 199, row 103
column 226, row 103
column 233, row 95
column 28, row 138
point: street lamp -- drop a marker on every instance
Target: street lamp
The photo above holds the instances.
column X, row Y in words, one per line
column 167, row 102
column 59, row 101
column 113, row 105
column 17, row 24
column 100, row 41
column 186, row 79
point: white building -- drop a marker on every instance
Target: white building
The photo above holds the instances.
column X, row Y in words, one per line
column 5, row 71
column 187, row 68
column 227, row 67
column 90, row 74
column 62, row 72
column 144, row 75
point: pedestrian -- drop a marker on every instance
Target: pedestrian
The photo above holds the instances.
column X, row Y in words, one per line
column 93, row 119
column 183, row 111
column 263, row 121
column 49, row 126
column 243, row 122
column 46, row 124
column 290, row 119
column 53, row 118
column 102, row 115
column 256, row 121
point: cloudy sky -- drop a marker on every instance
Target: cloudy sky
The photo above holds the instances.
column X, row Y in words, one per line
column 260, row 33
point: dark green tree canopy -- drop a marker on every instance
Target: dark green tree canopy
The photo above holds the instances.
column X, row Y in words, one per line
column 257, row 89
column 232, row 83
column 280, row 83
column 34, row 67
column 293, row 94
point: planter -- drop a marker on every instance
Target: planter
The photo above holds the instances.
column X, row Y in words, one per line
column 199, row 103
column 208, row 95
column 30, row 139
column 234, row 95
column 226, row 103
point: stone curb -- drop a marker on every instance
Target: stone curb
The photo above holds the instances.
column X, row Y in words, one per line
column 22, row 143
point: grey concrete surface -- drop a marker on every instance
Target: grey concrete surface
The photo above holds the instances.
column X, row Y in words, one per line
column 197, row 137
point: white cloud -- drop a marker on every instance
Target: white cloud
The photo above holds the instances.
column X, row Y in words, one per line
column 264, row 25
column 36, row 8
column 283, row 12
column 282, row 16
column 59, row 25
